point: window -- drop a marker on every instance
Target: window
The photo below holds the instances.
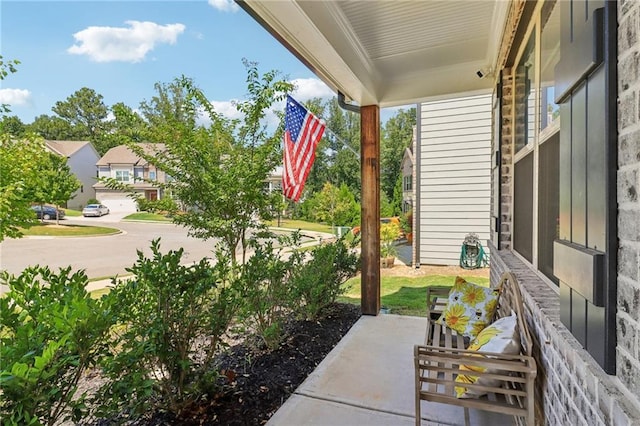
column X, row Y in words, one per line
column 407, row 183
column 537, row 144
column 549, row 57
column 525, row 90
column 152, row 175
column 122, row 175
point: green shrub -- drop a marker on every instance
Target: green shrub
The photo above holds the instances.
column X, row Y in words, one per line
column 318, row 282
column 51, row 332
column 92, row 201
column 265, row 288
column 172, row 317
column 165, row 205
column 389, row 232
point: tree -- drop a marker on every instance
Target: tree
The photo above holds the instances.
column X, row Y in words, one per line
column 56, row 182
column 12, row 125
column 85, row 111
column 218, row 172
column 53, row 128
column 6, row 68
column 127, row 125
column 397, row 135
column 345, row 143
column 20, row 160
column 336, row 206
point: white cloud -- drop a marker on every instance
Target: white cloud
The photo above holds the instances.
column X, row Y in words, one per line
column 227, row 109
column 15, row 97
column 308, row 88
column 224, row 108
column 106, row 44
column 224, row 5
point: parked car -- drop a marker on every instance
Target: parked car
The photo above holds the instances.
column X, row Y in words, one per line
column 95, row 210
column 47, row 212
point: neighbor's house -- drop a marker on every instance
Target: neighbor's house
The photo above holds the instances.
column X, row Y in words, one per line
column 565, row 210
column 127, row 167
column 453, row 175
column 81, row 159
column 406, row 169
column 274, row 180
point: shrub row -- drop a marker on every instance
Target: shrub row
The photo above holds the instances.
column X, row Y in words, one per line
column 155, row 337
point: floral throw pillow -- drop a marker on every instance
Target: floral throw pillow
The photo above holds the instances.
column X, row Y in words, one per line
column 470, row 308
column 500, row 337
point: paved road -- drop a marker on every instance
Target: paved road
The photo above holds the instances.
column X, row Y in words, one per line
column 106, row 256
column 100, row 256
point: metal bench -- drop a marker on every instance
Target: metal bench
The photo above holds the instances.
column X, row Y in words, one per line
column 437, row 363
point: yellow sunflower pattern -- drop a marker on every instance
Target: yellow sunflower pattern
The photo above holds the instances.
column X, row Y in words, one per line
column 470, row 308
column 500, row 337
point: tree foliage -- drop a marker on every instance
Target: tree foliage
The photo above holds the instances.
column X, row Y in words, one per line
column 396, row 137
column 53, row 128
column 20, row 160
column 85, row 111
column 12, row 125
column 6, row 68
column 56, row 182
column 218, row 172
column 334, row 205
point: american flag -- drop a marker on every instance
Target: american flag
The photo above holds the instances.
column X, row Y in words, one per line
column 302, row 132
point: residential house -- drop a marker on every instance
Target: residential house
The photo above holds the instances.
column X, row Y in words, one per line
column 406, row 170
column 565, row 212
column 81, row 159
column 274, row 180
column 453, row 193
column 125, row 166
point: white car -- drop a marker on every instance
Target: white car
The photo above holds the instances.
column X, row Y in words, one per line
column 95, row 210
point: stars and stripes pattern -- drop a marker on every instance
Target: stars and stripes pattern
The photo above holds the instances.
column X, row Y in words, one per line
column 302, row 133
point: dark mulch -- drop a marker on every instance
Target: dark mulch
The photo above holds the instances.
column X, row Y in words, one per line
column 259, row 381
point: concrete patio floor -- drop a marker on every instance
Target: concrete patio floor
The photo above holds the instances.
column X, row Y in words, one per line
column 368, row 379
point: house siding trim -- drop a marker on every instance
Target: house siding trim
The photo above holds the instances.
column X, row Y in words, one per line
column 454, row 174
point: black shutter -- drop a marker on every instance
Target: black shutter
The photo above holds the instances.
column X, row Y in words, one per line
column 585, row 253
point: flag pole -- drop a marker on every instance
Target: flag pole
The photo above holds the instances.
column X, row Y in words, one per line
column 344, row 144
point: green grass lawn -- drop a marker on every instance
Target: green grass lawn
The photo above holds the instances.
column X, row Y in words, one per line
column 403, row 295
column 53, row 230
column 148, row 216
column 72, row 213
column 301, row 224
column 97, row 294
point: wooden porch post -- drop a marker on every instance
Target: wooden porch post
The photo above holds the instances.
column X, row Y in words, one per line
column 370, row 170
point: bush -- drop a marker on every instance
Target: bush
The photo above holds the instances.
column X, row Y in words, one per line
column 389, row 232
column 406, row 222
column 92, row 201
column 317, row 283
column 172, row 318
column 266, row 291
column 51, row 332
column 165, row 205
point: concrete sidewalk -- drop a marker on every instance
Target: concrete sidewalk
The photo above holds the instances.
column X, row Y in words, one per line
column 368, row 379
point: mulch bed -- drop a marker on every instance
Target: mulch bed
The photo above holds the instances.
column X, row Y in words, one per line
column 260, row 381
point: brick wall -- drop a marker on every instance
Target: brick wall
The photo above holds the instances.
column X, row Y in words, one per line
column 628, row 316
column 571, row 388
column 506, row 176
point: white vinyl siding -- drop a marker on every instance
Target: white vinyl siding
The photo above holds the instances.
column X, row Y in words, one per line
column 455, row 176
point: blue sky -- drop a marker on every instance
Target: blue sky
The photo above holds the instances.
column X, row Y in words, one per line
column 121, row 49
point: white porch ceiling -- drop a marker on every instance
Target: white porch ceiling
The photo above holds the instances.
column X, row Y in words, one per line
column 389, row 52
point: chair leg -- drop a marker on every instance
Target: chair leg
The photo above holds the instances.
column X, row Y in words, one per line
column 467, row 421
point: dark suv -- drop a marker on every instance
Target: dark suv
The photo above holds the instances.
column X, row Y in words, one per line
column 47, row 212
